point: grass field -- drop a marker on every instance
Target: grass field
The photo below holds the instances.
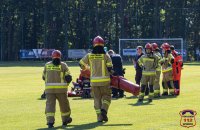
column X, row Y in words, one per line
column 21, row 109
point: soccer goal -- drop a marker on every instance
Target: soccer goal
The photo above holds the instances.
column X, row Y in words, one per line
column 127, row 47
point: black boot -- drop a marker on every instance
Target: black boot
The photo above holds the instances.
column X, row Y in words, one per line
column 121, row 93
column 140, row 100
column 104, row 115
column 156, row 95
column 150, row 100
column 114, row 92
column 43, row 96
column 50, row 125
column 165, row 94
column 69, row 120
column 142, row 91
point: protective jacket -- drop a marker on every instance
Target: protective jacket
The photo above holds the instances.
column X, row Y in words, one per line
column 149, row 64
column 100, row 76
column 159, row 58
column 55, row 77
column 167, row 63
column 177, row 66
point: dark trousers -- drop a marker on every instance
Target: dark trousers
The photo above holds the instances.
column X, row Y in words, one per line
column 176, row 84
column 117, row 92
column 138, row 76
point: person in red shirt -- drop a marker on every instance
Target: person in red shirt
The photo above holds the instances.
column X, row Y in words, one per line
column 177, row 67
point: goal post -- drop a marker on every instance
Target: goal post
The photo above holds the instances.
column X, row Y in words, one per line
column 127, row 47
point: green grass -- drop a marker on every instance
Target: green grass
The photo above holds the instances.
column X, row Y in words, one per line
column 20, row 108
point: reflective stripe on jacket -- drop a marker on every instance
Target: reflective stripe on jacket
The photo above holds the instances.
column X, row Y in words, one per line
column 160, row 57
column 149, row 64
column 167, row 66
column 98, row 68
column 55, row 77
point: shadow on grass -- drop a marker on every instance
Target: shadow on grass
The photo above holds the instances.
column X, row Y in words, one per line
column 85, row 126
column 79, row 98
column 41, row 98
column 191, row 64
column 132, row 97
column 165, row 97
column 145, row 102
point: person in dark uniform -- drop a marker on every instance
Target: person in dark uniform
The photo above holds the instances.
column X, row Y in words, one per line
column 118, row 70
column 138, row 69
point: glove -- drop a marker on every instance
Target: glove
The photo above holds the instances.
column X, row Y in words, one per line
column 123, row 71
column 68, row 78
column 111, row 71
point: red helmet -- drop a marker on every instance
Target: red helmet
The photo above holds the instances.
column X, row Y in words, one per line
column 165, row 46
column 155, row 46
column 56, row 54
column 148, row 46
column 98, row 41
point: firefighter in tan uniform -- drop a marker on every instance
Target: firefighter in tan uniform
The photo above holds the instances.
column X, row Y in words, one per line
column 57, row 78
column 149, row 63
column 166, row 63
column 156, row 85
column 100, row 67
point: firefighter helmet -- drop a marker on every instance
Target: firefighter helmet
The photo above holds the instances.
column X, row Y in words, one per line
column 98, row 41
column 172, row 47
column 165, row 46
column 148, row 46
column 56, row 54
column 155, row 46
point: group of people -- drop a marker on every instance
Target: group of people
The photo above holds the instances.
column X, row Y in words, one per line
column 57, row 78
column 102, row 65
column 148, row 68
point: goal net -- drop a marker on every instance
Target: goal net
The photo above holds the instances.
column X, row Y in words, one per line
column 127, row 47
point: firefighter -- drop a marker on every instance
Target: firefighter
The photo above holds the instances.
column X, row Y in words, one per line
column 138, row 69
column 119, row 71
column 149, row 63
column 177, row 67
column 100, row 67
column 166, row 62
column 156, row 85
column 57, row 78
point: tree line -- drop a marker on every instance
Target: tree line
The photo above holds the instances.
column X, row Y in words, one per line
column 65, row 24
